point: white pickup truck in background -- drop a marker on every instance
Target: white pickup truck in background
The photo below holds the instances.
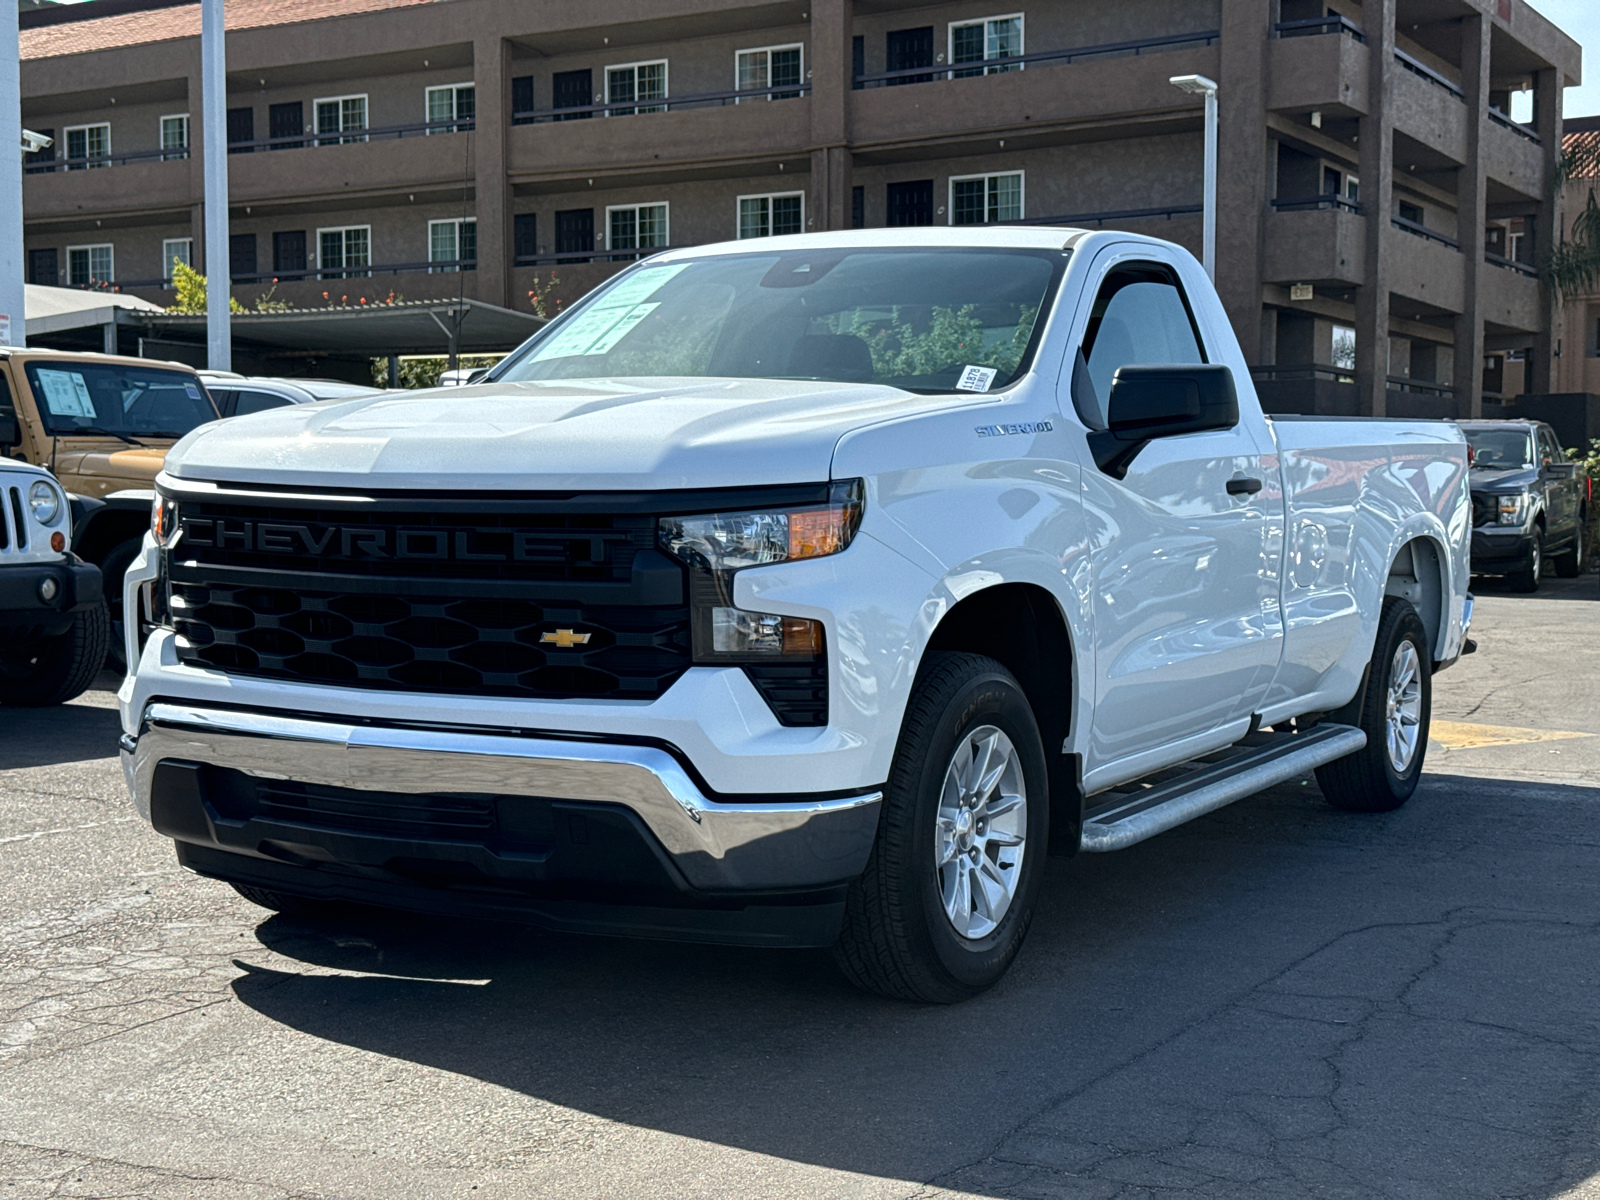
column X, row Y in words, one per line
column 805, row 592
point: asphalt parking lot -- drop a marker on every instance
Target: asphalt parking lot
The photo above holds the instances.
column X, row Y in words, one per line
column 1276, row 1000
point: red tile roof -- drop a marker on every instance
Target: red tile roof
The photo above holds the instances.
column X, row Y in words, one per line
column 171, row 24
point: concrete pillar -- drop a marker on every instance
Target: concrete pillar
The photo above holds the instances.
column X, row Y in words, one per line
column 491, row 68
column 828, row 204
column 108, row 337
column 1242, row 167
column 1376, row 151
column 1467, row 368
column 1546, row 227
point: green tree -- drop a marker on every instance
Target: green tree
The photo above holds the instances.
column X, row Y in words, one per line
column 190, row 287
column 1575, row 264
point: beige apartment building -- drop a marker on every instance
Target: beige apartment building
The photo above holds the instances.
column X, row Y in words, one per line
column 1578, row 365
column 1379, row 211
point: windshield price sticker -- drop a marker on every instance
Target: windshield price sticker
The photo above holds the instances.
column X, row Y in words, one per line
column 976, row 379
column 194, row 392
column 66, row 394
column 598, row 328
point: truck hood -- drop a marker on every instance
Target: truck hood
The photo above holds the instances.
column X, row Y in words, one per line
column 629, row 434
column 1518, row 479
column 111, row 467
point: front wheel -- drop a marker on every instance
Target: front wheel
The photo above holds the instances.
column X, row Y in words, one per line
column 40, row 672
column 1394, row 713
column 948, row 891
column 1527, row 579
column 1574, row 560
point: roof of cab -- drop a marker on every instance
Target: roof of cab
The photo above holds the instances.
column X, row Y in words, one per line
column 1004, row 237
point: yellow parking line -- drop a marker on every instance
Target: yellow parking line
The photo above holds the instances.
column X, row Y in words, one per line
column 1459, row 735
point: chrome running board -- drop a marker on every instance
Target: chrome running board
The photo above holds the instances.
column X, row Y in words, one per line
column 1126, row 816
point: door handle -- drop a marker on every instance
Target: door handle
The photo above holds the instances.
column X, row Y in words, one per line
column 1243, row 487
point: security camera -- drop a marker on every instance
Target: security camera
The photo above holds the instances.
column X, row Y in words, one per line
column 33, row 142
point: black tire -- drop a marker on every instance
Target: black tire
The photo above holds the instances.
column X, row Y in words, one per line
column 112, row 568
column 291, row 905
column 1527, row 579
column 896, row 939
column 46, row 671
column 1368, row 781
column 1572, row 561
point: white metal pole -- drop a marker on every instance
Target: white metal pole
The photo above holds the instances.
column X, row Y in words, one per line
column 13, row 295
column 1209, row 234
column 214, row 130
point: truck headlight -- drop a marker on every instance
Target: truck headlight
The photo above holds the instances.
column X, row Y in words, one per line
column 717, row 546
column 45, row 502
column 164, row 519
column 1512, row 510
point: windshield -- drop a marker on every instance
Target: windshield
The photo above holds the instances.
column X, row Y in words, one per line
column 118, row 401
column 1509, row 449
column 925, row 320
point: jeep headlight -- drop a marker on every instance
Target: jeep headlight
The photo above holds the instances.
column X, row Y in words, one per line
column 716, row 546
column 1512, row 509
column 44, row 501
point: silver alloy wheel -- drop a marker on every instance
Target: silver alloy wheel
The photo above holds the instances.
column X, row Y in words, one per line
column 981, row 832
column 1404, row 714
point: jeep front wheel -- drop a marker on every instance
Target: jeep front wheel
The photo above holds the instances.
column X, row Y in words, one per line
column 42, row 671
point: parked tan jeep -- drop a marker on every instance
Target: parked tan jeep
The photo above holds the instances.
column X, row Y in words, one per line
column 103, row 424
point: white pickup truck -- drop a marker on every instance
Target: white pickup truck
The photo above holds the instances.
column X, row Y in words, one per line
column 804, row 592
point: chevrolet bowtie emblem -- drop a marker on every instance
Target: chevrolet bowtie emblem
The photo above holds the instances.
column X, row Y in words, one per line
column 566, row 639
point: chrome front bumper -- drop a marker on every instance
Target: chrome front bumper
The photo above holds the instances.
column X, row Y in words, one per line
column 751, row 844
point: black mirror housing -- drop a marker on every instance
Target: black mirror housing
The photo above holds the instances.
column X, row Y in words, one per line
column 1162, row 401
column 10, row 432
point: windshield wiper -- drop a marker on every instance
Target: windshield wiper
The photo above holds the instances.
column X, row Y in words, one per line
column 96, row 431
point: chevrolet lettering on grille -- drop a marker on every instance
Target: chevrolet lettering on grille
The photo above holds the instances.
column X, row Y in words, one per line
column 433, row 543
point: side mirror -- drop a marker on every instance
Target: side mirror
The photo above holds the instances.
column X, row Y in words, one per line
column 10, row 432
column 1158, row 402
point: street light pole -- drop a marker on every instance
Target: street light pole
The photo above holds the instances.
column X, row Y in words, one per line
column 13, row 295
column 214, row 132
column 1200, row 85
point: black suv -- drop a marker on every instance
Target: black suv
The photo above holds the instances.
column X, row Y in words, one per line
column 1529, row 503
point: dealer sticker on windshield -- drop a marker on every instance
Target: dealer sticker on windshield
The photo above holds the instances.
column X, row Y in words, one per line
column 975, row 379
column 66, row 394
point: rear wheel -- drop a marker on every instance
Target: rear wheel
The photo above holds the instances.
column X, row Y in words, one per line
column 1574, row 560
column 39, row 672
column 948, row 892
column 1527, row 579
column 1394, row 713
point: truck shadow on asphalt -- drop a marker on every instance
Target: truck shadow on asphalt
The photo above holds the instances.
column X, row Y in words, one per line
column 44, row 737
column 1279, row 998
column 1584, row 587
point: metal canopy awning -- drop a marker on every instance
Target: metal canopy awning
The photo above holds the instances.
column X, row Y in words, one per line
column 374, row 330
column 58, row 309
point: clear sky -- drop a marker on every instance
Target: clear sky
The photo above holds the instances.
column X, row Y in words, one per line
column 1581, row 20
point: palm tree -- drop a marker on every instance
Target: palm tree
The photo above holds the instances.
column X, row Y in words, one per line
column 1575, row 265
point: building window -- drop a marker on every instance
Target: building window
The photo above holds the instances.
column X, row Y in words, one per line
column 976, row 42
column 985, row 199
column 88, row 141
column 770, row 67
column 909, row 203
column 89, row 265
column 289, row 252
column 339, row 250
column 175, row 250
column 452, row 242
column 1410, row 212
column 636, row 227
column 636, row 81
column 457, row 102
column 175, row 137
column 340, row 115
column 772, row 216
column 858, row 207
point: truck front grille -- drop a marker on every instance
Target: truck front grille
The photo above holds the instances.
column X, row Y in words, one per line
column 545, row 605
column 1484, row 509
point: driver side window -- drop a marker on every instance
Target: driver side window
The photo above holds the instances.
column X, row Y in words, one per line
column 1140, row 318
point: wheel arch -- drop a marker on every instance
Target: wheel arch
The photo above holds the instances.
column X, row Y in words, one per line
column 1419, row 573
column 1021, row 626
column 120, row 517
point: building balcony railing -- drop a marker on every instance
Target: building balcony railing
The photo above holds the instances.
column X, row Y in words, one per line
column 377, row 133
column 1309, row 203
column 97, row 161
column 1416, row 67
column 570, row 257
column 1510, row 264
column 1077, row 220
column 1013, row 62
column 1293, row 371
column 1319, row 25
column 1422, row 231
column 628, row 108
column 363, row 271
column 1418, row 387
column 1522, row 131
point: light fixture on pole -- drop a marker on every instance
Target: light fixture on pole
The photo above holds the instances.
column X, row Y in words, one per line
column 1199, row 85
column 214, row 133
